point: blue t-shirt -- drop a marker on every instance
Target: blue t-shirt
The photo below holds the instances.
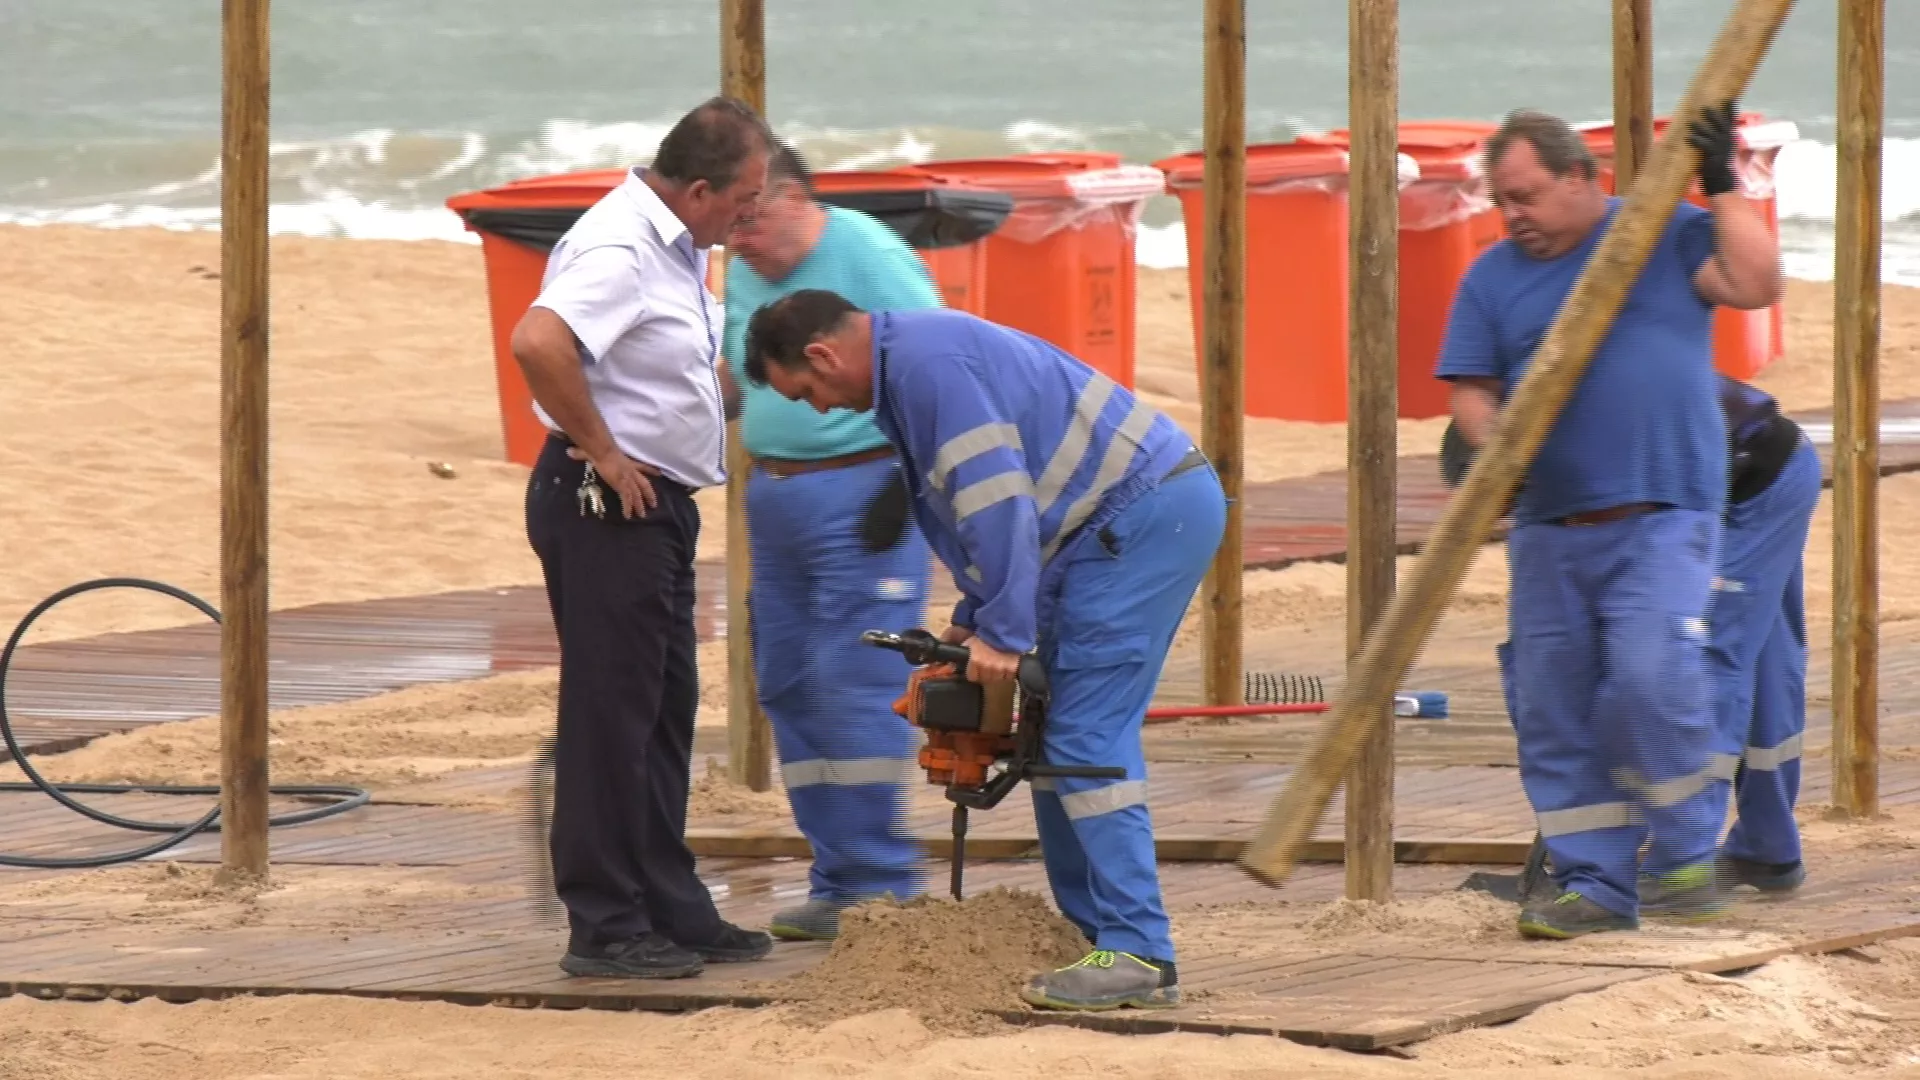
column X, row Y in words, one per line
column 862, row 260
column 1644, row 424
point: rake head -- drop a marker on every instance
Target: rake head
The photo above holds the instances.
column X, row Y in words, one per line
column 536, row 820
column 1272, row 688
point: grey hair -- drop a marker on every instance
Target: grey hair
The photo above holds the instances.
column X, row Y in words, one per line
column 713, row 143
column 1561, row 149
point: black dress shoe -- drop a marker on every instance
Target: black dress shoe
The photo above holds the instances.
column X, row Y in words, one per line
column 647, row 957
column 732, row 945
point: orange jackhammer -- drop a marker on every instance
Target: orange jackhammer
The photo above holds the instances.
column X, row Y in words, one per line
column 972, row 729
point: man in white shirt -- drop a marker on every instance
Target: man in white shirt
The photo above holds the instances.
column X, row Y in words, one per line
column 620, row 351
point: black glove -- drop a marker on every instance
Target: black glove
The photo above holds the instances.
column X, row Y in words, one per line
column 1712, row 135
column 885, row 519
column 1456, row 456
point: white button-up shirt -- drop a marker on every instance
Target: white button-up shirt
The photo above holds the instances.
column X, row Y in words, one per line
column 629, row 282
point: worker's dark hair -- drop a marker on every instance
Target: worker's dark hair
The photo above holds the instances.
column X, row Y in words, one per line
column 780, row 332
column 1561, row 149
column 786, row 166
column 712, row 143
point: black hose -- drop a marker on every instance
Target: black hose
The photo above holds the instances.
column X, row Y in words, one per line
column 344, row 798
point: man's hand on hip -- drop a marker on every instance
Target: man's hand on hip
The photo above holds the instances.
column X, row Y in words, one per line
column 626, row 477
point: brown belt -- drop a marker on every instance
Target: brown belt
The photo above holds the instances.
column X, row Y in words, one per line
column 1611, row 513
column 785, row 467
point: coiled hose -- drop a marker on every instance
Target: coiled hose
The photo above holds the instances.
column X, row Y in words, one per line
column 177, row 832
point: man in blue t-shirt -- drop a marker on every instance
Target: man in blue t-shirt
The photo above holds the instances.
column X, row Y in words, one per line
column 1617, row 524
column 833, row 555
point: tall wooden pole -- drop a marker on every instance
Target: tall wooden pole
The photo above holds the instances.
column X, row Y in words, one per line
column 243, row 438
column 1632, row 89
column 743, row 74
column 1373, row 395
column 1557, row 365
column 1223, row 388
column 1856, row 408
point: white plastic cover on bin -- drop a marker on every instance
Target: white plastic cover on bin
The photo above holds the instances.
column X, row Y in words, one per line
column 1093, row 197
column 1408, row 169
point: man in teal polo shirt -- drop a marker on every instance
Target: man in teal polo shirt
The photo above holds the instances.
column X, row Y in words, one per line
column 834, row 554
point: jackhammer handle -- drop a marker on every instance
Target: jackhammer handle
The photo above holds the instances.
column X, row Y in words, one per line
column 1090, row 772
column 920, row 647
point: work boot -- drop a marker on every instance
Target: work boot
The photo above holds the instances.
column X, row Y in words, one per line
column 733, row 946
column 1570, row 915
column 649, row 956
column 815, row 920
column 1767, row 877
column 1106, row 980
column 1692, row 893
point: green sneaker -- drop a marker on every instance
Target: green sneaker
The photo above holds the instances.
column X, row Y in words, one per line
column 815, row 920
column 1570, row 915
column 1105, row 980
column 1692, row 893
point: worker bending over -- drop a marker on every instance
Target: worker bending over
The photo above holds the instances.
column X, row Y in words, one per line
column 1618, row 519
column 1077, row 522
column 1759, row 643
column 833, row 556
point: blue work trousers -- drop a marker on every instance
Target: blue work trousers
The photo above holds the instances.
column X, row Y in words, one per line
column 1125, row 588
column 1612, row 695
column 846, row 757
column 1759, row 653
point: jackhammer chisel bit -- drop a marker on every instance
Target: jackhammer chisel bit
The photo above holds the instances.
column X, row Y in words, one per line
column 959, row 848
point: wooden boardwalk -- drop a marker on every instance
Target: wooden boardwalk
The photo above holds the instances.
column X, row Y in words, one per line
column 470, row 937
column 458, row 930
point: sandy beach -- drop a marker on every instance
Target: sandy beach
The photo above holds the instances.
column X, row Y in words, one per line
column 383, row 367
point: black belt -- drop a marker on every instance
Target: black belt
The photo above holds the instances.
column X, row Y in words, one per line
column 1193, row 460
column 564, row 439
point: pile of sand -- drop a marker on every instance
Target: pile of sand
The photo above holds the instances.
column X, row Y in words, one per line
column 1793, row 1007
column 954, row 964
column 390, row 740
column 187, row 896
column 408, row 735
column 1453, row 916
column 714, row 794
column 1266, row 927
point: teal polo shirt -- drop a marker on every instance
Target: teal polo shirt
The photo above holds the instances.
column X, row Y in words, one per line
column 862, row 260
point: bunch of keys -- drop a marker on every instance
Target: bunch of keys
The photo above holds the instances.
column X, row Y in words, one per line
column 591, row 501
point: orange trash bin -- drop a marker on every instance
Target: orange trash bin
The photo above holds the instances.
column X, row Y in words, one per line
column 1061, row 267
column 1744, row 342
column 1446, row 220
column 519, row 222
column 1296, row 280
column 944, row 222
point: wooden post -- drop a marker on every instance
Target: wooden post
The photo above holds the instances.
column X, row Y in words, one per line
column 1531, row 410
column 1856, row 408
column 1373, row 338
column 1223, row 388
column 243, row 439
column 743, row 74
column 1632, row 89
